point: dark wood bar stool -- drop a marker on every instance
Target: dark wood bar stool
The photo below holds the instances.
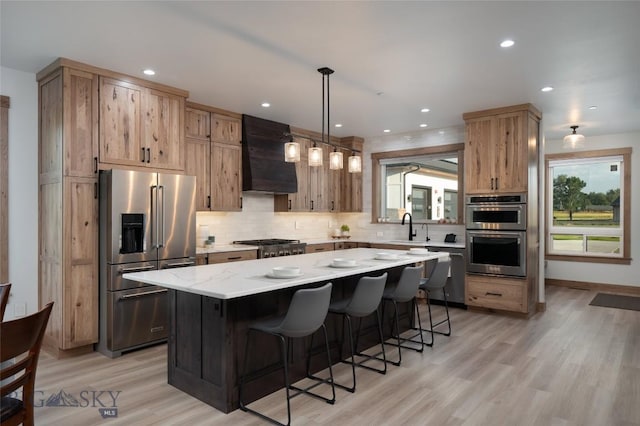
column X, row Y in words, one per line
column 404, row 292
column 364, row 302
column 305, row 315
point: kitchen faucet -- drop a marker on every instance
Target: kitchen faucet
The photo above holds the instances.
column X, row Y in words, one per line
column 411, row 232
column 426, row 225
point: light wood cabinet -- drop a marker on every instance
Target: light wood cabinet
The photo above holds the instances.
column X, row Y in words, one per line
column 508, row 294
column 140, row 126
column 351, row 195
column 232, row 256
column 498, row 149
column 68, row 207
column 315, row 248
column 213, row 154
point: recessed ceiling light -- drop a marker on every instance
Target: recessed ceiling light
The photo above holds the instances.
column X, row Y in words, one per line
column 547, row 89
column 386, row 130
column 593, row 107
column 423, row 125
column 265, row 105
column 149, row 71
column 507, row 43
column 441, row 132
column 338, row 125
column 425, row 110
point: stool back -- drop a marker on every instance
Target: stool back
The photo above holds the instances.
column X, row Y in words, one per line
column 438, row 278
column 367, row 296
column 307, row 311
column 4, row 298
column 408, row 285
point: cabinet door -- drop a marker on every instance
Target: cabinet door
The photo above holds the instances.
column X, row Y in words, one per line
column 80, row 123
column 80, row 246
column 511, row 153
column 299, row 201
column 120, row 123
column 197, row 163
column 319, row 183
column 197, row 124
column 226, row 177
column 335, row 186
column 163, row 130
column 225, row 129
column 479, row 156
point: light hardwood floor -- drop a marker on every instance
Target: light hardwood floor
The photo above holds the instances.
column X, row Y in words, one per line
column 574, row 364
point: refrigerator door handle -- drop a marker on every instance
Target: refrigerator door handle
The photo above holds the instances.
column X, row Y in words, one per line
column 161, row 219
column 154, row 216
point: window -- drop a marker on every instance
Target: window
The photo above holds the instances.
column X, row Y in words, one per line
column 588, row 205
column 421, row 181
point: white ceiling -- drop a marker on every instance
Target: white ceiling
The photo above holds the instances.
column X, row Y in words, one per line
column 390, row 58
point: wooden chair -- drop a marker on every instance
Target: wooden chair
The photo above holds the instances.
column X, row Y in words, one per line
column 20, row 341
column 4, row 298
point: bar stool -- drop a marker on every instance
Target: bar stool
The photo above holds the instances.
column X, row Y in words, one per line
column 404, row 291
column 306, row 314
column 364, row 301
column 437, row 281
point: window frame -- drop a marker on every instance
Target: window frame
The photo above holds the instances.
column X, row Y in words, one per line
column 625, row 195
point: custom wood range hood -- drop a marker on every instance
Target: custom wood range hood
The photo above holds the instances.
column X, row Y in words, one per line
column 263, row 165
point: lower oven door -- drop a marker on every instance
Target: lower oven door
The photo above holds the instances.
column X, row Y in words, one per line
column 139, row 316
column 497, row 252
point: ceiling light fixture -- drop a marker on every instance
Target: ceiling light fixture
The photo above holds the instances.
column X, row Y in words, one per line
column 387, row 130
column 149, row 71
column 291, row 151
column 507, row 43
column 315, row 152
column 265, row 105
column 425, row 110
column 593, row 107
column 573, row 140
column 336, row 160
column 355, row 164
column 338, row 125
column 546, row 89
column 423, row 125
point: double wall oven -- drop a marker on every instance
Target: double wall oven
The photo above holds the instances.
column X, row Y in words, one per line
column 497, row 234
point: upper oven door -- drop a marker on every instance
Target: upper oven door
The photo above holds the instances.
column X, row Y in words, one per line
column 497, row 217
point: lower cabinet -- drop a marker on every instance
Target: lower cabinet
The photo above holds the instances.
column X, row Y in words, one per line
column 507, row 294
column 314, row 248
column 232, row 256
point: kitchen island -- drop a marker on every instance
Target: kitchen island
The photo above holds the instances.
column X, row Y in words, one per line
column 213, row 305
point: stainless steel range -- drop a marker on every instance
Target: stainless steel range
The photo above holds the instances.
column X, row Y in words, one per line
column 274, row 247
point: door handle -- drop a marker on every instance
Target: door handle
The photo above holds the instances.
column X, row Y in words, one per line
column 161, row 211
column 493, row 294
column 95, row 164
column 139, row 269
column 491, row 183
column 496, row 184
column 148, row 155
column 178, row 264
column 144, row 158
column 154, row 213
column 146, row 293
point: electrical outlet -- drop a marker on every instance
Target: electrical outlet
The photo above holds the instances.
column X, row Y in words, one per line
column 330, row 224
column 379, row 234
column 19, row 310
column 298, row 224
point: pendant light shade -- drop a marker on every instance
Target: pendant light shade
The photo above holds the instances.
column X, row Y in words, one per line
column 573, row 140
column 292, row 152
column 355, row 164
column 335, row 160
column 315, row 156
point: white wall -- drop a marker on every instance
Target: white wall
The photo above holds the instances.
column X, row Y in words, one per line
column 22, row 88
column 602, row 272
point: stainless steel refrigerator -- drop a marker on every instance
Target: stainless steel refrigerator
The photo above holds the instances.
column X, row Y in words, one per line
column 147, row 222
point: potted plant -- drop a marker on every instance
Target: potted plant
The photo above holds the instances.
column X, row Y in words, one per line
column 344, row 230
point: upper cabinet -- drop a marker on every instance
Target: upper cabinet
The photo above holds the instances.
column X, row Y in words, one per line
column 140, row 126
column 214, row 155
column 500, row 144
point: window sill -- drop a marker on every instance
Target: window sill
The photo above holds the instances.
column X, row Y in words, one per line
column 590, row 259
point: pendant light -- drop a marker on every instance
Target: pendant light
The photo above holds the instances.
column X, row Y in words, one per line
column 355, row 163
column 573, row 140
column 315, row 153
column 335, row 159
column 291, row 151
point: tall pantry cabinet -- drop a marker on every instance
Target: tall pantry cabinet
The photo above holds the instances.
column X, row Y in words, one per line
column 73, row 147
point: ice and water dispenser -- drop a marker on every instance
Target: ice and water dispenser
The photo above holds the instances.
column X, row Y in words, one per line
column 132, row 233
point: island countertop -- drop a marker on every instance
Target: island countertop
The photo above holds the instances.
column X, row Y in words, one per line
column 249, row 277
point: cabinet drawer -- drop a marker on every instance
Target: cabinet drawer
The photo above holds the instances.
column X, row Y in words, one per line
column 314, row 248
column 496, row 293
column 232, row 256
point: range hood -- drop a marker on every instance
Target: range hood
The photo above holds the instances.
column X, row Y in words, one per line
column 263, row 165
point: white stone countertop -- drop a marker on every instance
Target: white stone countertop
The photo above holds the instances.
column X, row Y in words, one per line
column 414, row 243
column 244, row 278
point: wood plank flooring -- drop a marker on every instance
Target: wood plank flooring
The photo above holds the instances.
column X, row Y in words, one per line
column 574, row 364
